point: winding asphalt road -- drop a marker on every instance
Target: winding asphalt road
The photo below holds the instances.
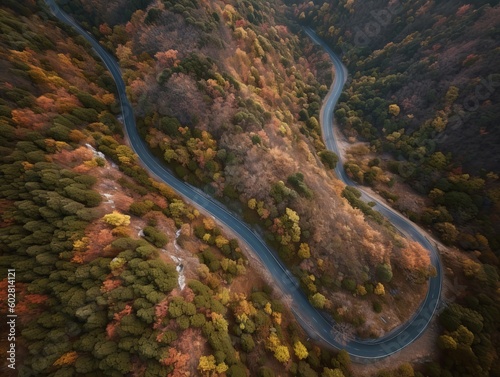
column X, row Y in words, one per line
column 313, row 322
column 403, row 224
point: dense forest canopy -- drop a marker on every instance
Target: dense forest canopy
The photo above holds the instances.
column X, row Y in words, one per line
column 426, row 92
column 94, row 241
column 226, row 97
column 435, row 59
column 117, row 275
column 421, row 109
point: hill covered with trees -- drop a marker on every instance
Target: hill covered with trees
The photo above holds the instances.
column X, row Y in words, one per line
column 115, row 274
column 421, row 109
column 424, row 88
column 227, row 97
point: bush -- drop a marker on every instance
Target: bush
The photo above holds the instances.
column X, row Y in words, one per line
column 377, row 307
column 170, row 126
column 247, row 343
column 297, row 182
column 116, row 219
column 349, row 284
column 329, row 159
column 141, row 208
column 318, row 300
column 384, row 272
column 352, row 195
column 155, row 237
column 266, row 372
column 208, row 258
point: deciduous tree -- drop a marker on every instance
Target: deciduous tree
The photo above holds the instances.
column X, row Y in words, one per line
column 300, row 350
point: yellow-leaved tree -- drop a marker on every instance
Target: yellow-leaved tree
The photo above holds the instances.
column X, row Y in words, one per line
column 117, row 219
column 379, row 289
column 304, row 251
column 282, row 354
column 300, row 350
column 394, row 109
column 207, row 363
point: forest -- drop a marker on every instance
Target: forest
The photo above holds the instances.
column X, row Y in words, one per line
column 231, row 104
column 228, row 95
column 92, row 239
column 420, row 112
column 433, row 110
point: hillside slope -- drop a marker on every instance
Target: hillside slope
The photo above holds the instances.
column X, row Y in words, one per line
column 227, row 97
column 112, row 273
column 436, row 60
column 419, row 119
column 424, row 88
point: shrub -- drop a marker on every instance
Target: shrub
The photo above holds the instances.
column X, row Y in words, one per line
column 377, row 307
column 329, row 158
column 155, row 237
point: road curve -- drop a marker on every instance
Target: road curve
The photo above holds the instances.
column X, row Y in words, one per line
column 403, row 224
column 313, row 322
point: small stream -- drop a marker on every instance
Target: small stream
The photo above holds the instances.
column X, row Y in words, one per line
column 181, row 280
column 180, row 267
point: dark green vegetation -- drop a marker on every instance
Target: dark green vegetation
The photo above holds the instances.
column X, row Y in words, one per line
column 424, row 88
column 63, row 308
column 438, row 125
